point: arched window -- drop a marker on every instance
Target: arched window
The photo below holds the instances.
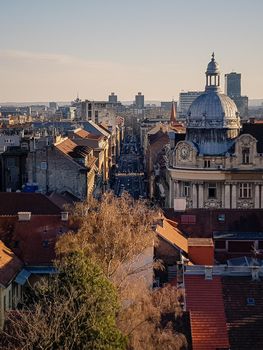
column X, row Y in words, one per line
column 245, row 156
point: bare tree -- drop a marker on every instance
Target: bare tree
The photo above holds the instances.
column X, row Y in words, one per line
column 116, row 233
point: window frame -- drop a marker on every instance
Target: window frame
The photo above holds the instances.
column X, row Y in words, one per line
column 214, row 187
column 245, row 155
column 245, row 190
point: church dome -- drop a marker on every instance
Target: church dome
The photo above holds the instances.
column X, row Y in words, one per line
column 213, row 109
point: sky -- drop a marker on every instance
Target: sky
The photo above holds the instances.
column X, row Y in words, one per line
column 56, row 49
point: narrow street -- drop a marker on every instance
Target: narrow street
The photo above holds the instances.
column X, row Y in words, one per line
column 129, row 175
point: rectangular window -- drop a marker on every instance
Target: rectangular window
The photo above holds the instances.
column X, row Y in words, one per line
column 245, row 156
column 43, row 165
column 207, row 163
column 245, row 190
column 186, row 189
column 211, row 191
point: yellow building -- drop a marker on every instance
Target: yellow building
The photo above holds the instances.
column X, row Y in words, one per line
column 10, row 291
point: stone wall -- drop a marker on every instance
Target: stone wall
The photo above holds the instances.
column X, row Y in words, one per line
column 54, row 171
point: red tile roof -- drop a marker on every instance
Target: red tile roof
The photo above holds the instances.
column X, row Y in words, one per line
column 207, row 221
column 244, row 322
column 36, row 203
column 73, row 150
column 87, row 135
column 204, row 301
column 33, row 241
column 10, row 265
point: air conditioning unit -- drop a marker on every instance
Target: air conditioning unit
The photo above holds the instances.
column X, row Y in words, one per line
column 64, row 216
column 24, row 215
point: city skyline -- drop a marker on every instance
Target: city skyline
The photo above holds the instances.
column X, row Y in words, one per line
column 54, row 50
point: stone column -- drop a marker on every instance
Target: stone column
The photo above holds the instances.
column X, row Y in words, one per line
column 222, row 194
column 227, row 196
column 234, row 196
column 200, row 195
column 177, row 190
column 171, row 192
column 257, row 204
column 194, row 195
column 261, row 196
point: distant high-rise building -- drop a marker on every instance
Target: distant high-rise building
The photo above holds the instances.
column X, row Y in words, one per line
column 113, row 98
column 185, row 101
column 167, row 105
column 233, row 84
column 139, row 101
column 233, row 90
column 53, row 105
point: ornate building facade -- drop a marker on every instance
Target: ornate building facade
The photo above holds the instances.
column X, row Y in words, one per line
column 219, row 164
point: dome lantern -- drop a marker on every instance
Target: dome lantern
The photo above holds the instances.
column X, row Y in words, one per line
column 212, row 75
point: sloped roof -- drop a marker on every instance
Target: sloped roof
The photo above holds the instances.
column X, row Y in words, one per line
column 10, row 265
column 244, row 322
column 36, row 203
column 63, row 199
column 73, row 150
column 204, row 301
column 96, row 129
column 255, row 130
column 33, row 241
column 172, row 235
column 87, row 135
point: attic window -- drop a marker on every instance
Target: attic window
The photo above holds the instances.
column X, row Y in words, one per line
column 245, row 155
column 251, row 302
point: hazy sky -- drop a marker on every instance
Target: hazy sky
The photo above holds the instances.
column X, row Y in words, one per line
column 52, row 49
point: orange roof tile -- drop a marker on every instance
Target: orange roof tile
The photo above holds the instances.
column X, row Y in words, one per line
column 73, row 150
column 204, row 301
column 172, row 235
column 87, row 135
column 10, row 265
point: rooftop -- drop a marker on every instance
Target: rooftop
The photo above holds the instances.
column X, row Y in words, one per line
column 36, row 203
column 10, row 265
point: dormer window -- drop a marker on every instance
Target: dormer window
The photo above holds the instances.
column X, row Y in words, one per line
column 245, row 156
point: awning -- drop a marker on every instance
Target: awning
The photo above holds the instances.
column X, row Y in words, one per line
column 24, row 274
column 22, row 277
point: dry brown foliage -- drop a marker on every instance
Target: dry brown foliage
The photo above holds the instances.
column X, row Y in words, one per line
column 116, row 232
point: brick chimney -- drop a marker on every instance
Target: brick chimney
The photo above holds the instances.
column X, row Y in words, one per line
column 201, row 251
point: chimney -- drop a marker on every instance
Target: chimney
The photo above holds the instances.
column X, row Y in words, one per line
column 201, row 251
column 24, row 215
column 64, row 216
